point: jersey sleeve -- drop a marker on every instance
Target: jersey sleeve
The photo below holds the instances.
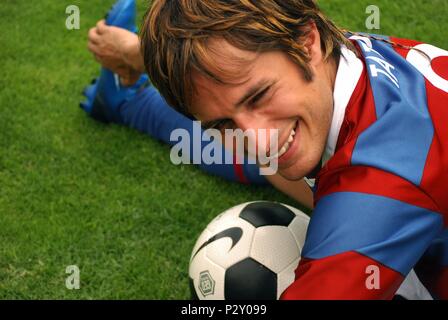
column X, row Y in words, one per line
column 361, row 245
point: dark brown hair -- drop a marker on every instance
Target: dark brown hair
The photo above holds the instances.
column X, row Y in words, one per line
column 176, row 34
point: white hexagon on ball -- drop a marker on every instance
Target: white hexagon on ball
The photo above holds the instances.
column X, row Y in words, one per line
column 275, row 247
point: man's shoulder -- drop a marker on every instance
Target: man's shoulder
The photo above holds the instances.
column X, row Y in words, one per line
column 389, row 117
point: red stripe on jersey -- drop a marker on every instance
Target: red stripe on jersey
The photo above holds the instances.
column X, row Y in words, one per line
column 334, row 284
column 435, row 174
column 375, row 181
column 440, row 66
column 239, row 170
column 359, row 115
column 404, row 42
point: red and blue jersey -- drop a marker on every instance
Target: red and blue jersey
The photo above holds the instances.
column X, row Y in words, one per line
column 381, row 199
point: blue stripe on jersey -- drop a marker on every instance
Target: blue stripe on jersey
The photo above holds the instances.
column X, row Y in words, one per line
column 389, row 231
column 400, row 139
column 365, row 34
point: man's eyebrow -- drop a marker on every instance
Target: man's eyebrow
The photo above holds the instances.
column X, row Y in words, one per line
column 253, row 90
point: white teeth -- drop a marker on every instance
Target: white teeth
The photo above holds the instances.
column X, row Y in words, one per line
column 283, row 149
column 286, row 146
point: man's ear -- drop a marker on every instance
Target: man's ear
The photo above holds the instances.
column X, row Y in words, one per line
column 313, row 44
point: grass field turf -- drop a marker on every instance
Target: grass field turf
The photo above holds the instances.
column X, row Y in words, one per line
column 106, row 198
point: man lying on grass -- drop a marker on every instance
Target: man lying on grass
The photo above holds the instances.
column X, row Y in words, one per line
column 363, row 116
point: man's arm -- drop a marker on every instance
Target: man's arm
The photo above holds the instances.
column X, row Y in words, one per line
column 298, row 190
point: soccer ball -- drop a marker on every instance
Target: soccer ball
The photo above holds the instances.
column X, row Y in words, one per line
column 248, row 252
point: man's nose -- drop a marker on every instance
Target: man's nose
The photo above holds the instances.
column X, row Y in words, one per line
column 260, row 129
column 251, row 121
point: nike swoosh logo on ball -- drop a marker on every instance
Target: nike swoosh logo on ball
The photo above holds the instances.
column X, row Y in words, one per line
column 233, row 233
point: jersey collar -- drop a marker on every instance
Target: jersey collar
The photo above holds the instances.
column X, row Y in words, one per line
column 347, row 77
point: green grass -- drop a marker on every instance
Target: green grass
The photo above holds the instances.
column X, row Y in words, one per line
column 106, row 198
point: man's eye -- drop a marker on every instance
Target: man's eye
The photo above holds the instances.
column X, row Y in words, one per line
column 259, row 96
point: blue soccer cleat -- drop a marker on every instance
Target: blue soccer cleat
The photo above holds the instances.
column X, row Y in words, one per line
column 110, row 95
column 123, row 15
column 90, row 91
column 106, row 94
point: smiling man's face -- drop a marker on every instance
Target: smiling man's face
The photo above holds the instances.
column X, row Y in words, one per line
column 272, row 93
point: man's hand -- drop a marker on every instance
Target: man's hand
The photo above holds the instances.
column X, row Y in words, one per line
column 117, row 50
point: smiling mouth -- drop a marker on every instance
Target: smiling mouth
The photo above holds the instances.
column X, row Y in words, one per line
column 287, row 145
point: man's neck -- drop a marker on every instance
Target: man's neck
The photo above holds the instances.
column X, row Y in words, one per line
column 332, row 67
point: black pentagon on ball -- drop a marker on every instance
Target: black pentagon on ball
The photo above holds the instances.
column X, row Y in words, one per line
column 249, row 280
column 265, row 213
